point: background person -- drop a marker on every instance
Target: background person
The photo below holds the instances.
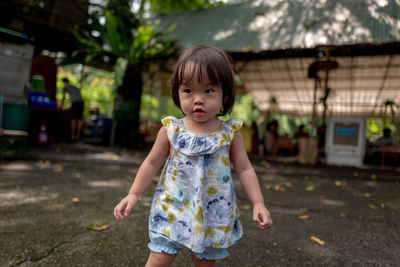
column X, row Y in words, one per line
column 76, row 109
column 271, row 136
column 387, row 139
column 300, row 132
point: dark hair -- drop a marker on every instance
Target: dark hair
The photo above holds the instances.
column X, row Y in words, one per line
column 387, row 131
column 269, row 124
column 65, row 80
column 218, row 65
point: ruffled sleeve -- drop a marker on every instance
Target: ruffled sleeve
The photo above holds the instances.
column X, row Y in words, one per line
column 230, row 128
column 199, row 144
column 171, row 125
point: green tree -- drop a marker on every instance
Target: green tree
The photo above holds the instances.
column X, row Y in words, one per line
column 120, row 38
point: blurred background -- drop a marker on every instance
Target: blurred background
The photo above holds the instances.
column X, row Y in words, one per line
column 317, row 80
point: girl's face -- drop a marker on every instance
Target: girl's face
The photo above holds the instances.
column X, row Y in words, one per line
column 200, row 101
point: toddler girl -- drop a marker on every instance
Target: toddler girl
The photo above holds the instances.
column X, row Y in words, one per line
column 194, row 205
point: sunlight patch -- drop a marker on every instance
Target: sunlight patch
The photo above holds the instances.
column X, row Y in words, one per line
column 106, row 184
column 15, row 197
column 332, row 202
column 16, row 167
column 223, row 34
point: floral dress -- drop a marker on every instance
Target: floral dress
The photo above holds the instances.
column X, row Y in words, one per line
column 195, row 203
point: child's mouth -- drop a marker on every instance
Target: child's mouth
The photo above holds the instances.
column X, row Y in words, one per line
column 198, row 111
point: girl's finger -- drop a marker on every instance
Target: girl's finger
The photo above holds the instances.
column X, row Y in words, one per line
column 116, row 212
column 128, row 209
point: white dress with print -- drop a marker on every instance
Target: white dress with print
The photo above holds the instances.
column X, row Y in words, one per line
column 195, row 203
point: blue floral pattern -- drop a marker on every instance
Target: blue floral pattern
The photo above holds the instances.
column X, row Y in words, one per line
column 194, row 203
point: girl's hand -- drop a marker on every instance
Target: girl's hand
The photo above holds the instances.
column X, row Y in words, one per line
column 262, row 216
column 125, row 206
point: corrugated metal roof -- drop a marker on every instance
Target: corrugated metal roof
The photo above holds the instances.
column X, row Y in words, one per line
column 278, row 24
column 274, row 42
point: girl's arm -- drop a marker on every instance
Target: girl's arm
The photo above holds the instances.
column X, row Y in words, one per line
column 145, row 174
column 248, row 180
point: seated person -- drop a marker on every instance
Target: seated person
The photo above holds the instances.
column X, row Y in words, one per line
column 300, row 132
column 387, row 139
column 284, row 145
column 270, row 137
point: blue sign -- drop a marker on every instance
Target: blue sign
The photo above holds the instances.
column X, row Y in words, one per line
column 346, row 131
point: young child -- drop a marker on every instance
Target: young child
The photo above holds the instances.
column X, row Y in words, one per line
column 194, row 205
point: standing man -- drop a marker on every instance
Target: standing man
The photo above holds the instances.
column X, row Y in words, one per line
column 76, row 110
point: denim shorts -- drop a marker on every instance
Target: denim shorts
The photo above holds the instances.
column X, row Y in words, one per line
column 161, row 243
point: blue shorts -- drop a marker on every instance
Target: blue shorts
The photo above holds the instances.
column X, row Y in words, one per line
column 160, row 243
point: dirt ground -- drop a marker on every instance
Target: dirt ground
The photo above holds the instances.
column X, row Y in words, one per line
column 48, row 202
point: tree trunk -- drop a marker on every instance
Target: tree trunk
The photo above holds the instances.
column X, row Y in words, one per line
column 130, row 92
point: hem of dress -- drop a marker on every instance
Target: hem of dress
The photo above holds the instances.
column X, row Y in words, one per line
column 230, row 245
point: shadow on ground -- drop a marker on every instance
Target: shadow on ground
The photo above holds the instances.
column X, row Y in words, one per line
column 48, row 200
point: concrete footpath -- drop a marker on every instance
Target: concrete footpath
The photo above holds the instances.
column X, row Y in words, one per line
column 56, row 210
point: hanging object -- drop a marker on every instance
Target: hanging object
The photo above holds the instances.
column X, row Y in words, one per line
column 325, row 66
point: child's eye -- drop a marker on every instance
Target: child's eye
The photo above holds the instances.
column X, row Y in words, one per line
column 187, row 91
column 209, row 91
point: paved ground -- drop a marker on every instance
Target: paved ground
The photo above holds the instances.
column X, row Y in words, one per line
column 48, row 201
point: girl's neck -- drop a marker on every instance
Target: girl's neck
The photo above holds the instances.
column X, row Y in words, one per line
column 205, row 127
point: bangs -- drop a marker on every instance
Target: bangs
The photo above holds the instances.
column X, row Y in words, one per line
column 190, row 70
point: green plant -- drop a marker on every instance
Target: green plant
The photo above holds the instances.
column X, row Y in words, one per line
column 123, row 41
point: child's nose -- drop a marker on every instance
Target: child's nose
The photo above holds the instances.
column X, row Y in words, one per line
column 198, row 99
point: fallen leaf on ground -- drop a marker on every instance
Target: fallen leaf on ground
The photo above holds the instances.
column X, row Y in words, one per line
column 310, row 188
column 303, row 209
column 77, row 175
column 367, row 195
column 279, row 188
column 382, row 205
column 355, row 173
column 303, row 217
column 342, row 215
column 373, row 176
column 265, row 163
column 58, row 169
column 268, row 187
column 340, row 183
column 289, row 185
column 98, row 228
column 75, row 199
column 245, row 207
column 317, row 240
column 372, row 206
